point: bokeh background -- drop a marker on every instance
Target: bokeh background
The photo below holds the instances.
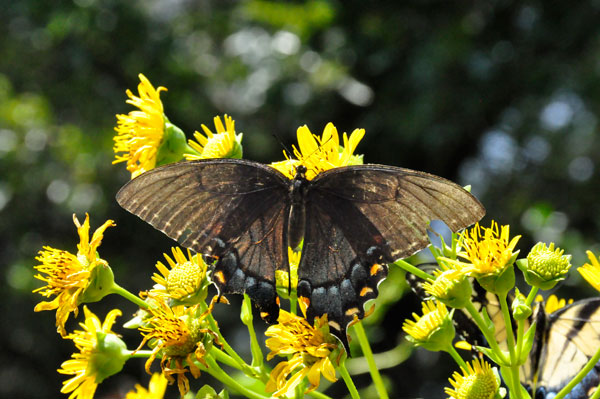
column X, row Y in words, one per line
column 502, row 95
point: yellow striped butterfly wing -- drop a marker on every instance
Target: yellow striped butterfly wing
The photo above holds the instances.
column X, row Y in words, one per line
column 569, row 337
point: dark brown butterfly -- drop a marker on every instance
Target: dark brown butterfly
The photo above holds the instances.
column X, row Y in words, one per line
column 353, row 221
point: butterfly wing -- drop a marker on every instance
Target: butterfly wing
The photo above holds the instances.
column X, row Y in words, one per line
column 233, row 211
column 358, row 219
column 571, row 338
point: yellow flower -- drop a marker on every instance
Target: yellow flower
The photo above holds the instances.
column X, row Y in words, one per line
column 553, row 303
column 222, row 144
column 308, row 349
column 319, row 154
column 591, row 272
column 479, row 381
column 433, row 330
column 181, row 336
column 67, row 276
column 156, row 389
column 488, row 250
column 101, row 354
column 185, row 277
column 140, row 133
column 451, row 287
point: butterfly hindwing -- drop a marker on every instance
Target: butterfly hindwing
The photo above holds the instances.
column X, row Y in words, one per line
column 358, row 219
column 570, row 338
column 234, row 212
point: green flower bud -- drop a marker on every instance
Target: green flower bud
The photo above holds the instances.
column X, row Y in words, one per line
column 520, row 309
column 109, row 355
column 545, row 266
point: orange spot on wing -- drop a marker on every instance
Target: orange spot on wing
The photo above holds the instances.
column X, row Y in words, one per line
column 220, row 277
column 365, row 291
column 376, row 268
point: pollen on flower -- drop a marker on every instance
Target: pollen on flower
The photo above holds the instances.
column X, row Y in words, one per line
column 487, row 250
column 319, row 154
column 140, row 133
column 308, row 349
column 478, row 381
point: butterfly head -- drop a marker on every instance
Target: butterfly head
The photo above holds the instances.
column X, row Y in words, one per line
column 300, row 172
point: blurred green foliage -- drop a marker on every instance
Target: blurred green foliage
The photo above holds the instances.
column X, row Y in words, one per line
column 501, row 95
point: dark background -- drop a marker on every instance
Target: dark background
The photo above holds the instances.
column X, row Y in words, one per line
column 502, row 95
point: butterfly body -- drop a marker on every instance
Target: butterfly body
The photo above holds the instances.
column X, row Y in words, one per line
column 352, row 221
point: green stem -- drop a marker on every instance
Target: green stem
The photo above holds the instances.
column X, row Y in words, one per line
column 348, row 380
column 521, row 323
column 510, row 341
column 491, row 339
column 457, row 358
column 140, row 354
column 217, row 372
column 228, row 349
column 596, row 394
column 318, row 395
column 413, row 269
column 532, row 295
column 577, row 379
column 384, row 360
column 257, row 355
column 224, row 358
column 368, row 354
column 117, row 289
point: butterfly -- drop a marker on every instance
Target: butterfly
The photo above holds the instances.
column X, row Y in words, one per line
column 564, row 341
column 352, row 221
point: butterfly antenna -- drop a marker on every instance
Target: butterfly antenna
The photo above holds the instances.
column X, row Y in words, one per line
column 286, row 149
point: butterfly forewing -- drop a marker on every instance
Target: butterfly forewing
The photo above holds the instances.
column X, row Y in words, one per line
column 358, row 219
column 234, row 211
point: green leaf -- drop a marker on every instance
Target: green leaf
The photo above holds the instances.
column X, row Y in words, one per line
column 528, row 339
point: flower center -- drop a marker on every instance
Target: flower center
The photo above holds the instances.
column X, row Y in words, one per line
column 477, row 386
column 184, row 279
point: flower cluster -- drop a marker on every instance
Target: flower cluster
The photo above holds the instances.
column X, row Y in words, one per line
column 176, row 323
